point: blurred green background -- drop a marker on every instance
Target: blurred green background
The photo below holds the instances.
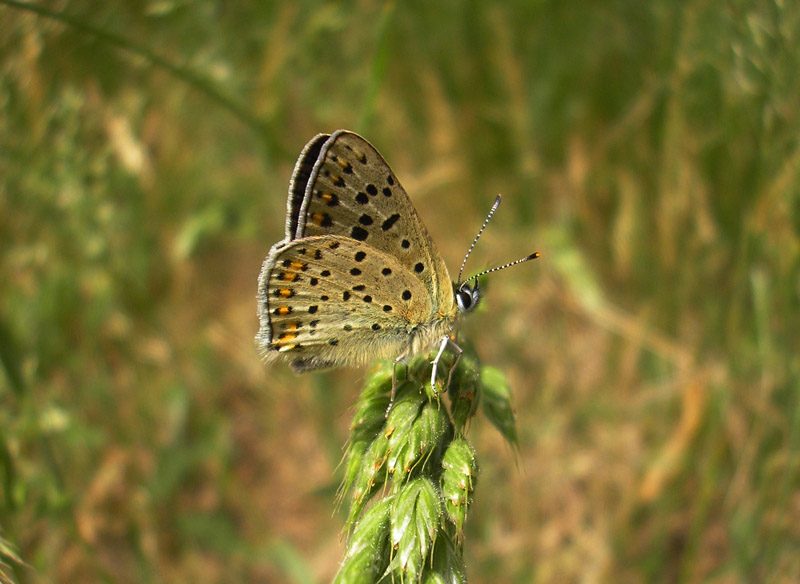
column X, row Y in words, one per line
column 649, row 150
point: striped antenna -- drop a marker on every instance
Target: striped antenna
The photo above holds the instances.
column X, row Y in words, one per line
column 478, row 236
column 527, row 258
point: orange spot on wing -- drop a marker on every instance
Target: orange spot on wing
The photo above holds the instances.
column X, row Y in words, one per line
column 321, row 219
column 297, row 265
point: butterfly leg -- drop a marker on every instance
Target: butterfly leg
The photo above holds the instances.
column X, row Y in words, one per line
column 435, row 362
column 446, row 340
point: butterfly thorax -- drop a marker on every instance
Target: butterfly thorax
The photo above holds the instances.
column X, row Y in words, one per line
column 464, row 299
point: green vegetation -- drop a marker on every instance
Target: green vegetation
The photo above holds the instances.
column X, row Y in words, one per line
column 649, row 150
column 410, row 473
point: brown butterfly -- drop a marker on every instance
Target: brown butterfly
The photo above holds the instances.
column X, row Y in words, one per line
column 357, row 276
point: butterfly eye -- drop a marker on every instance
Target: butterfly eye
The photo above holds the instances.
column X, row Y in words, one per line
column 467, row 297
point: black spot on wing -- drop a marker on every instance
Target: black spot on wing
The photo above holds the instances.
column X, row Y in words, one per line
column 359, row 233
column 390, row 221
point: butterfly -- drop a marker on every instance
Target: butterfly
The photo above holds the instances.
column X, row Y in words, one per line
column 357, row 276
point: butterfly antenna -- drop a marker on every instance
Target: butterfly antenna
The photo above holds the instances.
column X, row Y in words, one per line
column 527, row 258
column 495, row 205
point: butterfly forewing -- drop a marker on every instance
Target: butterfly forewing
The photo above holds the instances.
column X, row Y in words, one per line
column 352, row 192
column 303, row 169
column 333, row 300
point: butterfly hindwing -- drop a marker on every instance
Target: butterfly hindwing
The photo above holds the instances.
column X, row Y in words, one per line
column 333, row 300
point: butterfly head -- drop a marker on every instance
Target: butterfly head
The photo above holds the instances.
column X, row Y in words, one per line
column 467, row 296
